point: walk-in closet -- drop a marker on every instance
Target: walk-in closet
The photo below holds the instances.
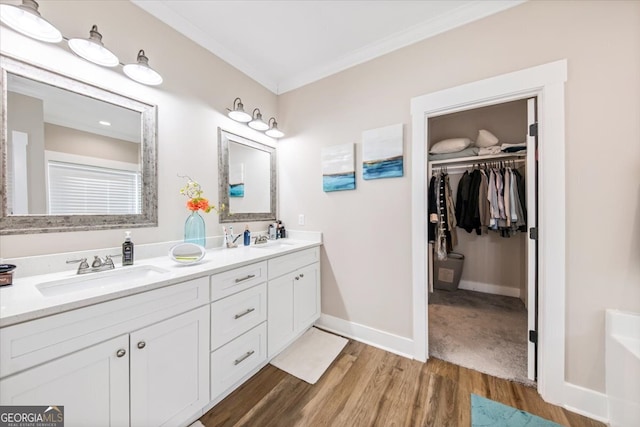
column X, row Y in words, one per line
column 481, row 175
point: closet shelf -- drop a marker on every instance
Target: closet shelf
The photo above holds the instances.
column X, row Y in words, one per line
column 479, row 159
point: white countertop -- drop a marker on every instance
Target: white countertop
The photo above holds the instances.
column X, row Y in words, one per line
column 22, row 301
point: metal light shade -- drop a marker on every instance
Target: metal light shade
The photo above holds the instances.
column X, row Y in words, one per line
column 257, row 123
column 141, row 72
column 93, row 50
column 273, row 131
column 238, row 114
column 26, row 19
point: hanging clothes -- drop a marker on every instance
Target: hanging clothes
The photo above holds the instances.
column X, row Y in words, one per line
column 442, row 219
column 468, row 210
column 491, row 199
column 432, row 209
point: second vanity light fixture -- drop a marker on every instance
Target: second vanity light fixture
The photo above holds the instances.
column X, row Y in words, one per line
column 254, row 120
column 26, row 19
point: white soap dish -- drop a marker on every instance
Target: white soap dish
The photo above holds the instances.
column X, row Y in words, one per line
column 187, row 253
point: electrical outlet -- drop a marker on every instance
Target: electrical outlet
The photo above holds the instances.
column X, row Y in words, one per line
column 301, row 219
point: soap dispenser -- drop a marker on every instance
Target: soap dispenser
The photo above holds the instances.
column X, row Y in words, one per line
column 127, row 250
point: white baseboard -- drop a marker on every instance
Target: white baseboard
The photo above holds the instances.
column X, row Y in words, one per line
column 384, row 340
column 587, row 402
column 489, row 288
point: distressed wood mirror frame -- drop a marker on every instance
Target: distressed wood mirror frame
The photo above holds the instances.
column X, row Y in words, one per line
column 30, row 224
column 228, row 214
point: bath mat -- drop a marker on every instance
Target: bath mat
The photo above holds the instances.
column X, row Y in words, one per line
column 486, row 412
column 310, row 355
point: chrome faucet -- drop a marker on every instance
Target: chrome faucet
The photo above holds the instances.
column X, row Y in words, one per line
column 98, row 264
column 260, row 239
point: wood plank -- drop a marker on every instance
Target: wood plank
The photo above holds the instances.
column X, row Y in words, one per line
column 366, row 386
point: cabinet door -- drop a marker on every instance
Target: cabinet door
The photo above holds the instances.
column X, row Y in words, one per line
column 306, row 293
column 281, row 326
column 92, row 385
column 170, row 370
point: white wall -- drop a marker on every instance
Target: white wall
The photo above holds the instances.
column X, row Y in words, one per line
column 367, row 234
column 192, row 102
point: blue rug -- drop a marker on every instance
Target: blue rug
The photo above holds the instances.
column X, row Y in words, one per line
column 486, row 412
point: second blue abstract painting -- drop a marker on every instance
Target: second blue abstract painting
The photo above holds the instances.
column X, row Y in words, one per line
column 382, row 153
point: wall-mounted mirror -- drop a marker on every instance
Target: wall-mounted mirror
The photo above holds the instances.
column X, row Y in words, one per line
column 247, row 179
column 73, row 156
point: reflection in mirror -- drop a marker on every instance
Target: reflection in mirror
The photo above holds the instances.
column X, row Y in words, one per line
column 74, row 156
column 247, row 179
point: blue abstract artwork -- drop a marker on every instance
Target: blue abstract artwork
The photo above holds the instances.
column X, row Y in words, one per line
column 236, row 179
column 236, row 190
column 338, row 168
column 382, row 153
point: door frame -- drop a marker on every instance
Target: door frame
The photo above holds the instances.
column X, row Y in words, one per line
column 546, row 82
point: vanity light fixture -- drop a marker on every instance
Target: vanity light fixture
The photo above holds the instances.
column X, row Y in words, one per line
column 142, row 72
column 257, row 123
column 26, row 19
column 273, row 131
column 93, row 50
column 238, row 114
column 254, row 121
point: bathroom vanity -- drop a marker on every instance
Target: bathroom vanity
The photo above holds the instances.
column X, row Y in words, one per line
column 162, row 347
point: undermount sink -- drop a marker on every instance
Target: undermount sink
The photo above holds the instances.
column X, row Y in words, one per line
column 278, row 244
column 101, row 280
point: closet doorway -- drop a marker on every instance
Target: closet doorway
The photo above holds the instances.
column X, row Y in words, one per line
column 482, row 319
column 545, row 82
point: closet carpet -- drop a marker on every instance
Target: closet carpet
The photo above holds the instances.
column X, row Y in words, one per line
column 480, row 331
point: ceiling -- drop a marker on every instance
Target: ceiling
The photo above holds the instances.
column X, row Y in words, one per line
column 284, row 45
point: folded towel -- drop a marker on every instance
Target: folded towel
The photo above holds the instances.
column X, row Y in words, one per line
column 483, row 151
column 520, row 144
column 514, row 149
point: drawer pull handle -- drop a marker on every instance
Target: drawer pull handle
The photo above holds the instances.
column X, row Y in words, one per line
column 121, row 352
column 244, row 313
column 243, row 358
column 247, row 277
column 141, row 344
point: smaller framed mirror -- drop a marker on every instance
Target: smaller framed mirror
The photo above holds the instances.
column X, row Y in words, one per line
column 247, row 179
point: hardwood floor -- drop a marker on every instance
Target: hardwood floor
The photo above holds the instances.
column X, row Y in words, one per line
column 366, row 386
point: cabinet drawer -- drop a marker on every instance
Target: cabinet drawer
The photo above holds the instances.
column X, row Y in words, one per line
column 32, row 343
column 287, row 263
column 238, row 279
column 232, row 362
column 235, row 315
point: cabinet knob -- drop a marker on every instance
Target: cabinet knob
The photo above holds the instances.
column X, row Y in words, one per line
column 142, row 344
column 121, row 352
column 301, row 275
column 297, row 277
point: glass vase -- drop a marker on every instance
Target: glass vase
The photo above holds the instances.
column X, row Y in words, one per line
column 194, row 230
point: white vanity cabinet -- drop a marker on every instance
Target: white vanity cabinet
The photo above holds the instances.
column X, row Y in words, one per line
column 293, row 296
column 140, row 360
column 169, row 368
column 92, row 384
column 238, row 326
